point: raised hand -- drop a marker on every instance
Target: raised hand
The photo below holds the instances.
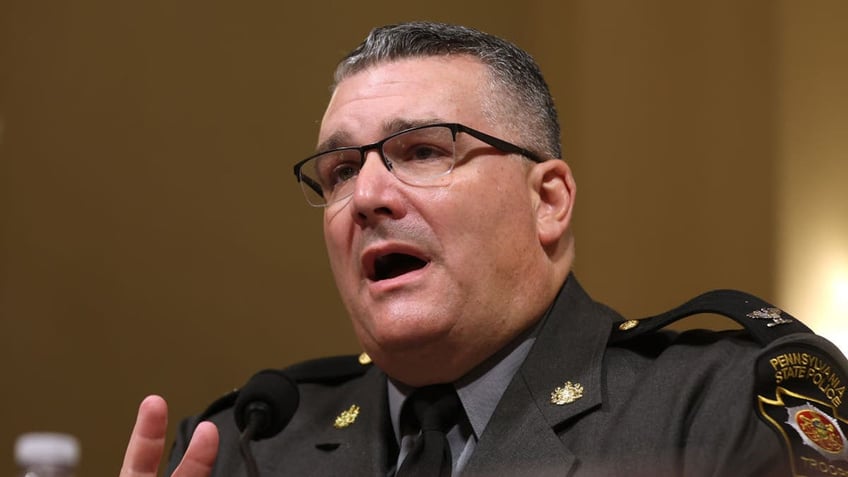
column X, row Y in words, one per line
column 147, row 444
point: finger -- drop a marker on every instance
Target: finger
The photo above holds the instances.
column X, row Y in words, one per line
column 147, row 441
column 200, row 455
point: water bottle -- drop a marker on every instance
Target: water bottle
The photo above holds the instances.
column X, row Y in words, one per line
column 47, row 454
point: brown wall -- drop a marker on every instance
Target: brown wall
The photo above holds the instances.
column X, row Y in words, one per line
column 812, row 165
column 154, row 239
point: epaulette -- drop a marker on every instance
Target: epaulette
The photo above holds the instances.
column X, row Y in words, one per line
column 330, row 370
column 762, row 320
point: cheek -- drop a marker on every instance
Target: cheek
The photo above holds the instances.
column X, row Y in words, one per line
column 491, row 224
column 337, row 240
column 495, row 202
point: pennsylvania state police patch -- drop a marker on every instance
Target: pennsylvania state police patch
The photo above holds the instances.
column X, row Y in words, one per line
column 801, row 394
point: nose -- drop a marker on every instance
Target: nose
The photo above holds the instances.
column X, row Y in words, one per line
column 377, row 192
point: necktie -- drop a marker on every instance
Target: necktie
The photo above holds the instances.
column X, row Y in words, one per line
column 436, row 409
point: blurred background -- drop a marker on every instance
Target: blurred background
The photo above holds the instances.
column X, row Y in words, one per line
column 153, row 238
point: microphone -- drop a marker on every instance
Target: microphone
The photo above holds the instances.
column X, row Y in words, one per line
column 263, row 408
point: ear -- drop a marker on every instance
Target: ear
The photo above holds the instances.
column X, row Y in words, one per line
column 554, row 190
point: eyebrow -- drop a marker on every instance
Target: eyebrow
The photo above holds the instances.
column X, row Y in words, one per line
column 335, row 141
column 342, row 138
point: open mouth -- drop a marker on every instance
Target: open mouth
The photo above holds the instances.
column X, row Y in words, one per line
column 394, row 265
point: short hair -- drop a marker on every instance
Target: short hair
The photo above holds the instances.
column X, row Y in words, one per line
column 528, row 104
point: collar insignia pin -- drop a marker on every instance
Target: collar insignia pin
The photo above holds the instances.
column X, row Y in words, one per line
column 567, row 393
column 347, row 417
column 773, row 314
column 628, row 325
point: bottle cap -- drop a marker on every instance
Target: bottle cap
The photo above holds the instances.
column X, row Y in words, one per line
column 49, row 448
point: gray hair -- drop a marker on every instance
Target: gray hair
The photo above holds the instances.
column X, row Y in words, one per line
column 514, row 73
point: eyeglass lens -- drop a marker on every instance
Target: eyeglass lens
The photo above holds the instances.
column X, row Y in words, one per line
column 415, row 156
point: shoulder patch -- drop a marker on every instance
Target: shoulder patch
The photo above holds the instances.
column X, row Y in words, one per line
column 762, row 320
column 801, row 395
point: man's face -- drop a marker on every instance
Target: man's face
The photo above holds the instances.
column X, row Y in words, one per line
column 436, row 278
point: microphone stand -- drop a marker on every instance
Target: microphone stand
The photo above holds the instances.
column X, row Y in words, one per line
column 256, row 412
column 262, row 409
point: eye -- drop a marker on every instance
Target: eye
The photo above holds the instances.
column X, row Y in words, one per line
column 433, row 144
column 425, row 152
column 343, row 172
column 337, row 167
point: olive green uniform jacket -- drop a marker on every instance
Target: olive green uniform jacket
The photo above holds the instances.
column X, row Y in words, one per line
column 653, row 403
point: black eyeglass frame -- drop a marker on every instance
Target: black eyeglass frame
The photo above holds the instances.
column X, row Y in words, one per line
column 456, row 128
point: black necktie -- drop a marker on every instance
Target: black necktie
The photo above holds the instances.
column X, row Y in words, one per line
column 435, row 409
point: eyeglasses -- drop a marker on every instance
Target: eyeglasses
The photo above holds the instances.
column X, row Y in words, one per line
column 416, row 156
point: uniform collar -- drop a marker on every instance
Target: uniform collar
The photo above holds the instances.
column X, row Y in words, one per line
column 480, row 390
column 522, row 435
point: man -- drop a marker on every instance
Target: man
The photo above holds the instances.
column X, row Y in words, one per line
column 447, row 219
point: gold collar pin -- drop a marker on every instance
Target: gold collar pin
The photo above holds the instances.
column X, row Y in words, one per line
column 347, row 417
column 567, row 393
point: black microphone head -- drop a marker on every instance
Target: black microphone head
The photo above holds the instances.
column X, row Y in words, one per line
column 271, row 397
